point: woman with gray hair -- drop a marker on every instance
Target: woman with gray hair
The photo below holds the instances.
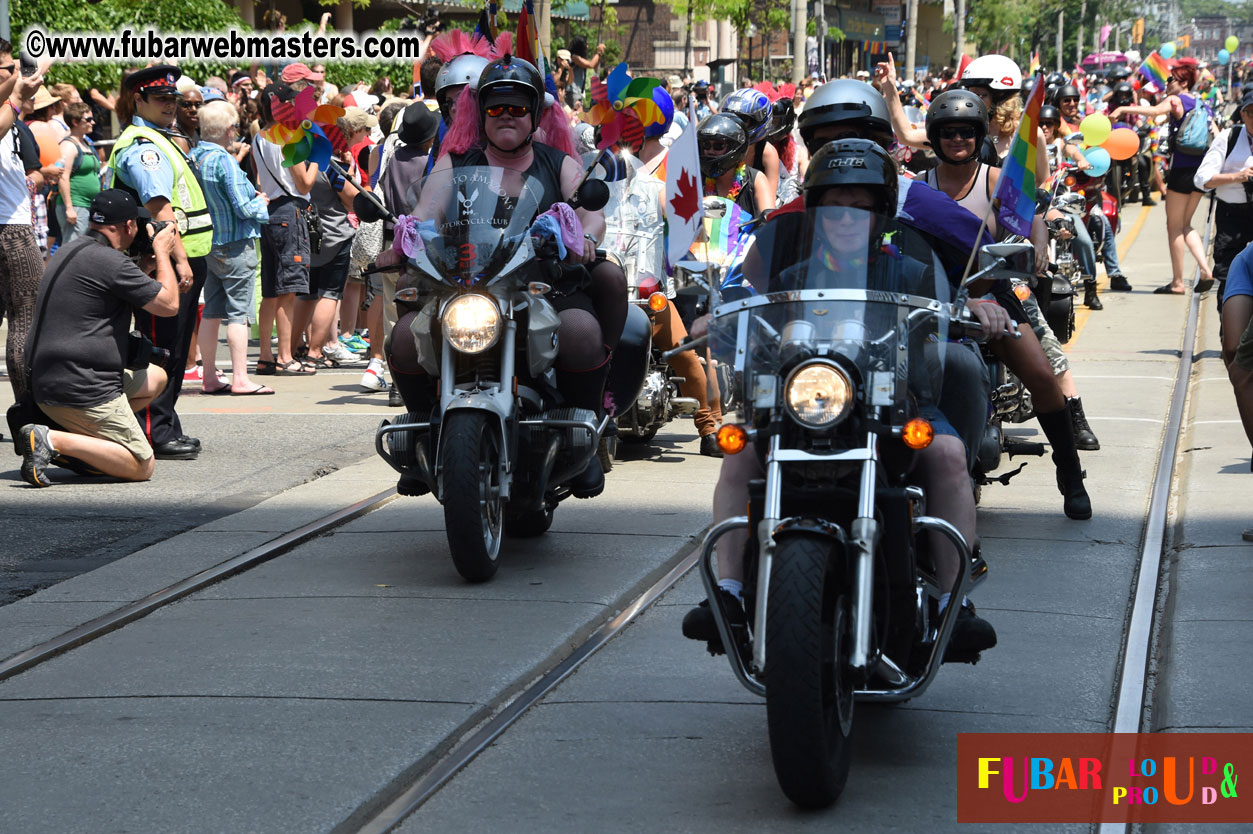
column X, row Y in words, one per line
column 238, row 210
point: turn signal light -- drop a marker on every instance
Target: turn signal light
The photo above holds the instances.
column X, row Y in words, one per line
column 657, row 302
column 1071, row 181
column 917, row 433
column 732, row 439
column 1022, row 291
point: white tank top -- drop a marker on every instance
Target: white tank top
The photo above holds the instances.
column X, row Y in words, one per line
column 976, row 200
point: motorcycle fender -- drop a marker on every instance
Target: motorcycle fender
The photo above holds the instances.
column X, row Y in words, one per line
column 423, row 329
column 499, row 406
column 1062, row 287
column 817, row 526
column 541, row 335
column 631, row 358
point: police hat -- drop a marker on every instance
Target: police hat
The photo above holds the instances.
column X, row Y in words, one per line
column 113, row 205
column 159, row 80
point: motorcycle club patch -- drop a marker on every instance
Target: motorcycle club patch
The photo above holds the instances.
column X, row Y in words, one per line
column 150, row 159
column 846, row 162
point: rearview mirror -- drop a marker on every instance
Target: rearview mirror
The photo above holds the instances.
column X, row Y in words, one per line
column 593, row 195
column 367, row 209
column 1006, row 260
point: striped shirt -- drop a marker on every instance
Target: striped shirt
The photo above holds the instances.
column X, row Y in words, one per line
column 236, row 209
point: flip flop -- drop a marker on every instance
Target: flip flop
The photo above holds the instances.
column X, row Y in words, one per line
column 255, row 392
column 267, row 367
column 1166, row 290
column 1203, row 285
column 218, row 392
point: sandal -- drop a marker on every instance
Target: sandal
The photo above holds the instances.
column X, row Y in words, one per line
column 1204, row 285
column 296, row 368
column 324, row 363
column 267, row 367
column 1166, row 290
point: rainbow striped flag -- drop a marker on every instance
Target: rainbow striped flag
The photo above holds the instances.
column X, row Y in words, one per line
column 529, row 47
column 728, row 240
column 1035, row 63
column 1019, row 178
column 1155, row 70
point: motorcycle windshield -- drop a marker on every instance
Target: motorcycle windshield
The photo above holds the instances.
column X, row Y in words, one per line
column 633, row 218
column 838, row 283
column 726, row 233
column 474, row 222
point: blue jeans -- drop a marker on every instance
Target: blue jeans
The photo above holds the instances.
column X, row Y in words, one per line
column 1085, row 250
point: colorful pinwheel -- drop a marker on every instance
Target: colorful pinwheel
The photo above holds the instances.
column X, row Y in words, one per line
column 622, row 101
column 307, row 131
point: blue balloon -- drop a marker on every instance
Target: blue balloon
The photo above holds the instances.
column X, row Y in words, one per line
column 1167, row 49
column 1224, row 57
column 1099, row 159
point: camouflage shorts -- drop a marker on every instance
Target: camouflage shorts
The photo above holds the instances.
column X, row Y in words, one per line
column 1048, row 340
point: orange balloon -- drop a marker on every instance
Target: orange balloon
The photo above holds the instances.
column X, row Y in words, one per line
column 1122, row 143
column 46, row 137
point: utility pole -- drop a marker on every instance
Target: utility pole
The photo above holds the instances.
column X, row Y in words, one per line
column 959, row 32
column 687, row 50
column 799, row 24
column 1061, row 20
column 820, row 12
column 1083, row 13
column 911, row 38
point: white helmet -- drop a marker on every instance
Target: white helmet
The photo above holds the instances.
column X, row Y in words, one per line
column 995, row 72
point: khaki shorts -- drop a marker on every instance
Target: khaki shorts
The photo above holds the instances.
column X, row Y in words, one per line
column 1244, row 351
column 113, row 421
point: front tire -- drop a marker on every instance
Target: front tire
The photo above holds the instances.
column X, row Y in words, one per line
column 809, row 685
column 473, row 510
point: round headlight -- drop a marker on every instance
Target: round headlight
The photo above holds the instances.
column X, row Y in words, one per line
column 471, row 323
column 819, row 395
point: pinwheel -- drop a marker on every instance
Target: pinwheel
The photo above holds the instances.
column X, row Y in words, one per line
column 307, row 131
column 623, row 106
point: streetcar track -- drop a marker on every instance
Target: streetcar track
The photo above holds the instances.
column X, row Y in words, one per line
column 111, row 621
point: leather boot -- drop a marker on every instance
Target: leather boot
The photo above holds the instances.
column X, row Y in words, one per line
column 1090, row 299
column 1060, row 432
column 1085, row 438
column 586, row 389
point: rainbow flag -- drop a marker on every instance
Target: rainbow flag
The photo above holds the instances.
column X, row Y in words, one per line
column 1016, row 187
column 728, row 240
column 1035, row 63
column 529, row 47
column 1155, row 70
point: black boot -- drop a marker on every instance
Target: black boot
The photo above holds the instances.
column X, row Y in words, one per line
column 1085, row 439
column 1060, row 432
column 586, row 389
column 1090, row 299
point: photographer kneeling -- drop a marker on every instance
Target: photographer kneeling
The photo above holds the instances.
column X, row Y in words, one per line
column 85, row 373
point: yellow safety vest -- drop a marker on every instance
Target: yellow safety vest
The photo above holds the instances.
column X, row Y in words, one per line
column 195, row 226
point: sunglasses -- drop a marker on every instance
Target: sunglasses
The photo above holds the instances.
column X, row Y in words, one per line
column 1053, row 125
column 1069, row 100
column 852, row 212
column 8, row 68
column 515, row 110
column 191, row 105
column 716, row 146
column 957, row 133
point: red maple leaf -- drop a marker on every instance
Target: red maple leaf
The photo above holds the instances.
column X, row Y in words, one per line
column 687, row 202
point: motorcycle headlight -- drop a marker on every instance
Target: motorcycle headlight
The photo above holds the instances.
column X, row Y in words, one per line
column 818, row 395
column 471, row 323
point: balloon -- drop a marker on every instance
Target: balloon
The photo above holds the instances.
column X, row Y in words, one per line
column 1100, row 160
column 1095, row 129
column 1122, row 143
column 1167, row 49
column 1232, row 43
column 46, row 137
column 1224, row 57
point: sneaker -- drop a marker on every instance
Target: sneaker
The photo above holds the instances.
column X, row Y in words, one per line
column 195, row 374
column 37, row 454
column 699, row 624
column 709, row 446
column 394, row 400
column 1118, row 283
column 356, row 343
column 342, row 355
column 971, row 635
column 348, row 344
column 372, row 379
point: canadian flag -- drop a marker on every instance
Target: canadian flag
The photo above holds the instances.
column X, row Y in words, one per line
column 684, row 204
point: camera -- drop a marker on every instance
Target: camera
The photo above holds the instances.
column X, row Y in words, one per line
column 142, row 244
column 141, row 352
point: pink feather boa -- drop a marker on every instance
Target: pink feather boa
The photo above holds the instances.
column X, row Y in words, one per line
column 465, row 133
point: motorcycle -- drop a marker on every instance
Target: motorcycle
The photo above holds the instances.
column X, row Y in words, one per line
column 501, row 444
column 840, row 586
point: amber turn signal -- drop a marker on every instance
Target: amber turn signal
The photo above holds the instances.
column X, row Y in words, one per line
column 918, row 433
column 657, row 302
column 732, row 439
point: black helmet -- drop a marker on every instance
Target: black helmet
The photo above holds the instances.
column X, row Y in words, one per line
column 849, row 162
column 846, row 102
column 511, row 77
column 1119, row 73
column 1054, row 79
column 1122, row 94
column 782, row 120
column 1065, row 91
column 956, row 107
column 723, row 129
column 1049, row 113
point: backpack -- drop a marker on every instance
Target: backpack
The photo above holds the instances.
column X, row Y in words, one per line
column 1193, row 136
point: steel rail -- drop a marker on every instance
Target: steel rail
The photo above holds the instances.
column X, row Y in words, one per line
column 413, row 797
column 115, row 619
column 1129, row 707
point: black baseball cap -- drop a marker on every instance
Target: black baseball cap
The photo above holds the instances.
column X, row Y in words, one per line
column 1246, row 100
column 113, row 205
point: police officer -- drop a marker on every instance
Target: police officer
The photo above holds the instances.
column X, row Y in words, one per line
column 148, row 163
